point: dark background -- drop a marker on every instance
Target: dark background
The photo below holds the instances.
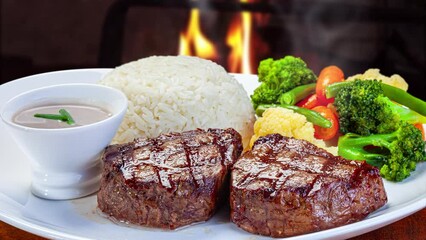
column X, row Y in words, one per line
column 44, row 35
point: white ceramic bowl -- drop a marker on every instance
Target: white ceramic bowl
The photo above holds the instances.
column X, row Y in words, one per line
column 65, row 161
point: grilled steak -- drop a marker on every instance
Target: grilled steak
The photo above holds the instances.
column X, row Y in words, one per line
column 285, row 187
column 170, row 181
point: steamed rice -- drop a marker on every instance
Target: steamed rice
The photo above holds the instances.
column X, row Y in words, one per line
column 179, row 93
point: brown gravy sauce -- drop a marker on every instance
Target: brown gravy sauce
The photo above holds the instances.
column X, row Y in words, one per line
column 82, row 115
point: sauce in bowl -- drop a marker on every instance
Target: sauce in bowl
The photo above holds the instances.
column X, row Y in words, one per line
column 82, row 115
column 65, row 159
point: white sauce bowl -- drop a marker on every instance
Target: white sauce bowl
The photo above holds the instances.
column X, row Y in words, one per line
column 66, row 161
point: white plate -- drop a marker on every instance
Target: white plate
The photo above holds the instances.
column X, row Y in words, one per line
column 78, row 219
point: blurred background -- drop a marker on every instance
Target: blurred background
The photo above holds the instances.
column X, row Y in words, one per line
column 44, row 35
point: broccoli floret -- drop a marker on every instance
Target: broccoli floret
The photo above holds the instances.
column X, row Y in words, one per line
column 354, row 105
column 279, row 76
column 394, row 112
column 395, row 153
column 364, row 109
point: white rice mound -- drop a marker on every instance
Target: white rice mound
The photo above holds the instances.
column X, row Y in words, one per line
column 179, row 93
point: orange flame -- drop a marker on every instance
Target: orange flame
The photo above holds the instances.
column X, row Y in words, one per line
column 193, row 42
column 238, row 39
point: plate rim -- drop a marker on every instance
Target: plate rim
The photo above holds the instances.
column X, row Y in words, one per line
column 357, row 228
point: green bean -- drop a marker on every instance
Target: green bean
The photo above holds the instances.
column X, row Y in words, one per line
column 312, row 116
column 296, row 94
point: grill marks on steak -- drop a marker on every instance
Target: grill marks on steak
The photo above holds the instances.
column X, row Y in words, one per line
column 170, row 181
column 166, row 158
column 285, row 187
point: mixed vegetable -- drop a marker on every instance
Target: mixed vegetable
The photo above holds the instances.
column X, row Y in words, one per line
column 279, row 76
column 369, row 119
column 396, row 153
column 364, row 108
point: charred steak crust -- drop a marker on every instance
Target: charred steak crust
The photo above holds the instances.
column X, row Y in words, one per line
column 170, row 181
column 285, row 187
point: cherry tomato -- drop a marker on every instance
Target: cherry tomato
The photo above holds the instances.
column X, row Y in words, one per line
column 309, row 102
column 326, row 133
column 328, row 75
column 420, row 127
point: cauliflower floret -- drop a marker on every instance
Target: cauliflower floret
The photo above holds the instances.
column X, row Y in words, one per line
column 287, row 123
column 374, row 73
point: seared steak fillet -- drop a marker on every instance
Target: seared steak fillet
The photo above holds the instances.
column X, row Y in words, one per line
column 285, row 187
column 170, row 181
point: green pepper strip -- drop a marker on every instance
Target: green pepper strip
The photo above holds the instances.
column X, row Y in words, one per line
column 63, row 116
column 393, row 93
column 296, row 94
column 50, row 116
column 332, row 89
column 65, row 113
column 402, row 97
column 312, row 116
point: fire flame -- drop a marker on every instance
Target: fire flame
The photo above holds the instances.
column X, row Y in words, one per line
column 193, row 42
column 238, row 39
